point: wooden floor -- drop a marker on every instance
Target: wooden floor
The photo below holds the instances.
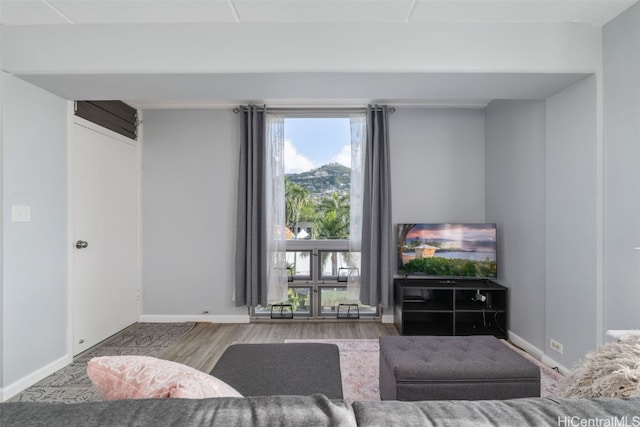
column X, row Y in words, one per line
column 201, row 347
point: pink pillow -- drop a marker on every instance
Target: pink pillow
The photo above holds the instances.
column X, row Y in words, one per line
column 142, row 377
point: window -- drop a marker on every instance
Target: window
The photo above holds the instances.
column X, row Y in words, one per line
column 299, row 264
column 317, row 163
column 332, row 296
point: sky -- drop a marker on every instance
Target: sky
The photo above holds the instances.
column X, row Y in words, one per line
column 475, row 232
column 313, row 142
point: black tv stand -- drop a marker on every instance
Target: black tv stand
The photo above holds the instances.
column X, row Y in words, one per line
column 450, row 307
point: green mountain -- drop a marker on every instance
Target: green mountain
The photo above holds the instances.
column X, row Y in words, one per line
column 324, row 180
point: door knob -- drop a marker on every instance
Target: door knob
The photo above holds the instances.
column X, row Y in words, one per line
column 81, row 244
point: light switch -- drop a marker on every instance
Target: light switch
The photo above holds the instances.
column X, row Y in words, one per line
column 20, row 213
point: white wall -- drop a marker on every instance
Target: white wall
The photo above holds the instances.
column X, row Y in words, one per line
column 515, row 200
column 34, row 291
column 621, row 58
column 308, row 47
column 189, row 174
column 189, row 162
column 572, row 200
column 437, row 165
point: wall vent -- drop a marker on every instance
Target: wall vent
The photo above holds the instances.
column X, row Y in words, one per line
column 113, row 115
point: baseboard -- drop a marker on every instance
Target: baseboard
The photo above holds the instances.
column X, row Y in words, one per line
column 387, row 318
column 537, row 353
column 169, row 318
column 24, row 383
column 549, row 361
column 526, row 345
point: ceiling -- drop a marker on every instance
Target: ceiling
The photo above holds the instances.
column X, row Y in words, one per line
column 34, row 12
column 210, row 90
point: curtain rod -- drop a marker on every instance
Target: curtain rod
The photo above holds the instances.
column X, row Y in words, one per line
column 313, row 110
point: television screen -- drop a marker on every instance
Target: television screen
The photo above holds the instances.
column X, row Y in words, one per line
column 447, row 250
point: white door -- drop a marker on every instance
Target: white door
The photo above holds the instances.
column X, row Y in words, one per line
column 104, row 228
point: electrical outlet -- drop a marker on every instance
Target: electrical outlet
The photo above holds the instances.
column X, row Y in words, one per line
column 555, row 345
column 20, row 213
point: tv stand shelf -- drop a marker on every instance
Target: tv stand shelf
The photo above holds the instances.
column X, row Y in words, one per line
column 450, row 307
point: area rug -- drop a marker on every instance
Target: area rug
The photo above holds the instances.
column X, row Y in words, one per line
column 71, row 383
column 550, row 379
column 360, row 362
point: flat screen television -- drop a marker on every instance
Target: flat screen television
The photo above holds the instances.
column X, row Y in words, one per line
column 448, row 250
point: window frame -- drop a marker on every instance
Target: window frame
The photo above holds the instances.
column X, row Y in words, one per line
column 301, row 277
column 316, row 281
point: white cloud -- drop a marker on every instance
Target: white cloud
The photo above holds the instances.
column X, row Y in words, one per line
column 344, row 156
column 295, row 162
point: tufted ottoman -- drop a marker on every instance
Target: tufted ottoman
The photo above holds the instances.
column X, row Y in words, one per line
column 460, row 368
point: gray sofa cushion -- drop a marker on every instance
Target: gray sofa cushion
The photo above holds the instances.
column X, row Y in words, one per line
column 516, row 412
column 251, row 411
column 282, row 369
column 320, row 411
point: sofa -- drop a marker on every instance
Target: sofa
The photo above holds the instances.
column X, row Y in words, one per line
column 318, row 410
column 275, row 409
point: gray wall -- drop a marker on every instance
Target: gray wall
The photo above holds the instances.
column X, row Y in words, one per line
column 571, row 227
column 189, row 168
column 515, row 200
column 437, row 165
column 621, row 57
column 34, row 305
column 2, row 101
column 189, row 193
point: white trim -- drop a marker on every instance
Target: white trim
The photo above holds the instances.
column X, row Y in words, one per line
column 387, row 318
column 525, row 345
column 599, row 231
column 319, row 103
column 70, row 224
column 537, row 353
column 25, row 382
column 549, row 361
column 90, row 125
column 2, row 101
column 140, row 132
column 178, row 318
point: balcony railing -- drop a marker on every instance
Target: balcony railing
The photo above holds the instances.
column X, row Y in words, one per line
column 319, row 270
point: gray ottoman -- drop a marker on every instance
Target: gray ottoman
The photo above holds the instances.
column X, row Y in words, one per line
column 299, row 369
column 456, row 368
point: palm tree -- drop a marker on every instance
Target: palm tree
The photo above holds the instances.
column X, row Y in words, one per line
column 333, row 218
column 333, row 222
column 403, row 231
column 297, row 198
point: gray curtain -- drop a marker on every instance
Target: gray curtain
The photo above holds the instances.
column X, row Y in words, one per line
column 251, row 268
column 377, row 226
